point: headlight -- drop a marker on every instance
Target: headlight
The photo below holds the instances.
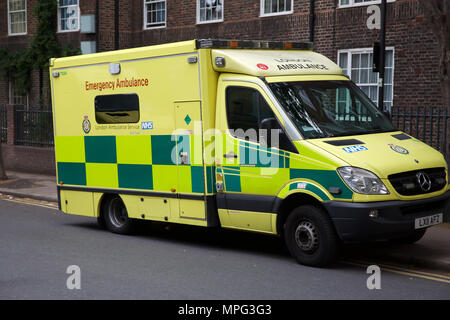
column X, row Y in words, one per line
column 362, row 181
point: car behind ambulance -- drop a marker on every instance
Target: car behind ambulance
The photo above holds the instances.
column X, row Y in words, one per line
column 259, row 136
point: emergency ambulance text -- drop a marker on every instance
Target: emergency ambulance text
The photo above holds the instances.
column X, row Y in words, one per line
column 119, row 83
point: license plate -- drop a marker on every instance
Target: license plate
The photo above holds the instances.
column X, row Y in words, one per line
column 428, row 221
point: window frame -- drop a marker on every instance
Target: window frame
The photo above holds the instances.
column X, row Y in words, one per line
column 59, row 17
column 9, row 20
column 100, row 96
column 352, row 3
column 145, row 15
column 272, row 14
column 11, row 95
column 352, row 51
column 209, row 21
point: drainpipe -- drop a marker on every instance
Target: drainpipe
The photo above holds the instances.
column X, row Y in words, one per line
column 311, row 19
column 382, row 56
column 96, row 25
column 116, row 24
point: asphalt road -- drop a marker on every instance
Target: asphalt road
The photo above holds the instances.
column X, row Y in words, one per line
column 38, row 245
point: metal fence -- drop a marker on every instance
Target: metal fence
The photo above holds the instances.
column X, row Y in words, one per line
column 3, row 125
column 34, row 128
column 428, row 124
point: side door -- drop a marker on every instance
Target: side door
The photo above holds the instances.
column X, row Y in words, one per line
column 253, row 164
column 189, row 160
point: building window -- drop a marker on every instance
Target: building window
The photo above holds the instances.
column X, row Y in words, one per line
column 16, row 98
column 17, row 17
column 357, row 64
column 154, row 14
column 354, row 3
column 209, row 11
column 276, row 7
column 117, row 108
column 68, row 15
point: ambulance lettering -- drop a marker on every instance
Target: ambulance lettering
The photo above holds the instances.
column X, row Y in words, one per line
column 294, row 66
column 147, row 125
column 352, row 149
column 119, row 83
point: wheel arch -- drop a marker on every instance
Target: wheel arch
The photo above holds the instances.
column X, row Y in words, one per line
column 102, row 200
column 291, row 202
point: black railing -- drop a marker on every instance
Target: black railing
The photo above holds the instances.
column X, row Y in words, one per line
column 428, row 124
column 3, row 125
column 34, row 127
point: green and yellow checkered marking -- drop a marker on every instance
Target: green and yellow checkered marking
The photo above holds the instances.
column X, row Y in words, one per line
column 131, row 162
column 149, row 163
column 268, row 170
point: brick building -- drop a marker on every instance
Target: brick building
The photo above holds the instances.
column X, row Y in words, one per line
column 337, row 27
column 339, row 32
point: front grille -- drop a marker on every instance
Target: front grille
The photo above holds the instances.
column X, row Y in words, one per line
column 407, row 184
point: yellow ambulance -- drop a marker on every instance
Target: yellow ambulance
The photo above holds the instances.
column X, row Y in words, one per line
column 260, row 136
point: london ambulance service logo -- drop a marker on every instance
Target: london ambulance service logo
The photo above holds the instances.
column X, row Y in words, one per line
column 398, row 149
column 86, row 124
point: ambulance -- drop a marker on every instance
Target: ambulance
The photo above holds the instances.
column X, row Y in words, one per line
column 259, row 136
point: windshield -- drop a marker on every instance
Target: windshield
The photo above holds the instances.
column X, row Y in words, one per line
column 321, row 109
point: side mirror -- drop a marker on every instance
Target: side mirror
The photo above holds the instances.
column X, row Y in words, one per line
column 388, row 114
column 265, row 131
column 269, row 126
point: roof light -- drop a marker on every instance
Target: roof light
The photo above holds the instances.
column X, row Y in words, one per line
column 220, row 62
column 252, row 44
column 234, row 44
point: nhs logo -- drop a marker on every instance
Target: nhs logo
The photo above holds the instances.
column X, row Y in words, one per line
column 146, row 125
column 352, row 149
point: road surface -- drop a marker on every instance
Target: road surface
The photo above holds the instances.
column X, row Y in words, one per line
column 39, row 244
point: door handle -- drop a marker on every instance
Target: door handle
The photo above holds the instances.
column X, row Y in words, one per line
column 230, row 155
column 184, row 158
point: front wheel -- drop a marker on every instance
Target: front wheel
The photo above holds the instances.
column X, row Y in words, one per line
column 310, row 236
column 115, row 216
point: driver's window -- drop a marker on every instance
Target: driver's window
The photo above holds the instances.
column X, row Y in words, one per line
column 246, row 109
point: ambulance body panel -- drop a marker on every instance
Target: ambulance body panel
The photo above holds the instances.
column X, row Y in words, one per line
column 154, row 133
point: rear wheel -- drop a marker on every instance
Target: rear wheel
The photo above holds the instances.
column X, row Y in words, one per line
column 115, row 216
column 310, row 236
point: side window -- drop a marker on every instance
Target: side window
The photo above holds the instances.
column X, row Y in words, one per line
column 250, row 118
column 117, row 108
column 246, row 109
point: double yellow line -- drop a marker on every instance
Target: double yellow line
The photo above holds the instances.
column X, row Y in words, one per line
column 445, row 277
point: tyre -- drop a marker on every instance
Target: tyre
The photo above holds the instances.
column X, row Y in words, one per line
column 414, row 236
column 115, row 216
column 101, row 222
column 310, row 236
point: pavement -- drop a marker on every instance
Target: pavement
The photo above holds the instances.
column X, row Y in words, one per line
column 432, row 251
column 27, row 185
